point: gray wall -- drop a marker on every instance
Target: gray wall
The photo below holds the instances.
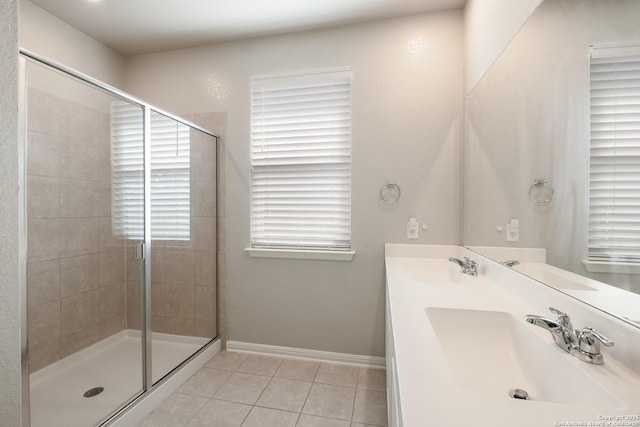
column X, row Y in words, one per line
column 406, row 126
column 10, row 391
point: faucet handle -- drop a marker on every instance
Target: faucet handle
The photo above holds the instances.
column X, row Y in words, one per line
column 563, row 318
column 587, row 342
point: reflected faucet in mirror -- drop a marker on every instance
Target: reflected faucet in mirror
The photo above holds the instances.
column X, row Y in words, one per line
column 585, row 344
column 511, row 262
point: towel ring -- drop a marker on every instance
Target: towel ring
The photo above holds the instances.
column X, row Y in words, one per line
column 390, row 193
column 541, row 192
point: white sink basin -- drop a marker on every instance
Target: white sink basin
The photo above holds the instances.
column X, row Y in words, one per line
column 493, row 353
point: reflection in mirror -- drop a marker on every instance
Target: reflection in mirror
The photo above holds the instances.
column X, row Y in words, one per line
column 536, row 117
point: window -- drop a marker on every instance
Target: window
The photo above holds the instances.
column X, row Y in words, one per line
column 301, row 161
column 614, row 195
column 170, row 175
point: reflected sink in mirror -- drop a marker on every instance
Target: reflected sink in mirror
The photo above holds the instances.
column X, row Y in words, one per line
column 493, row 353
column 538, row 272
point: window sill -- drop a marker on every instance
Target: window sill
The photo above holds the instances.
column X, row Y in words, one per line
column 611, row 267
column 301, row 254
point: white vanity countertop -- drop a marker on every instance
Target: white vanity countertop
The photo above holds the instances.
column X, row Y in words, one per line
column 420, row 276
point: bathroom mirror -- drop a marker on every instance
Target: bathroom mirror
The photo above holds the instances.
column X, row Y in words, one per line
column 527, row 152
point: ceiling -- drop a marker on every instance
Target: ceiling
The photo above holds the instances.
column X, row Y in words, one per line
column 133, row 27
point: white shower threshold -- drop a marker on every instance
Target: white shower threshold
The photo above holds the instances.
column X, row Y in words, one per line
column 115, row 363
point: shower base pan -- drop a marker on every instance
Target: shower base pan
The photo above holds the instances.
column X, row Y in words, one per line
column 85, row 387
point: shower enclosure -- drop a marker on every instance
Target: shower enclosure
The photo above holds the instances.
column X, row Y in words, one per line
column 120, row 229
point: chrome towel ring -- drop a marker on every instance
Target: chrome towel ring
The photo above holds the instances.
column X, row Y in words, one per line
column 390, row 193
column 541, row 192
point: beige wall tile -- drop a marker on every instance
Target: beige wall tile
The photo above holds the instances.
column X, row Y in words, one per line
column 79, row 198
column 113, row 302
column 42, row 197
column 179, row 267
column 133, row 304
column 180, row 326
column 78, row 161
column 79, row 236
column 205, row 303
column 43, row 356
column 205, row 233
column 205, row 268
column 79, row 274
column 204, row 196
column 42, row 154
column 159, row 324
column 44, row 324
column 133, row 266
column 112, row 326
column 181, row 301
column 203, row 158
column 43, row 112
column 43, row 239
column 158, row 258
column 106, row 234
column 112, row 265
column 72, row 343
column 79, row 312
column 43, row 282
column 158, row 299
column 206, row 328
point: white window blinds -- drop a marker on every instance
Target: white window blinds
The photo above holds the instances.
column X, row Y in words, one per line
column 301, row 161
column 614, row 197
column 170, row 175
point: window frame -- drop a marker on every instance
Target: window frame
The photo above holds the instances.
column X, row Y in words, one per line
column 606, row 214
column 260, row 245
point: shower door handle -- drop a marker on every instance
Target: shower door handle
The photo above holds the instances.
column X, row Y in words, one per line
column 140, row 251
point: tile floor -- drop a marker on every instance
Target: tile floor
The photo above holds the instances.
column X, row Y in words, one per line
column 236, row 389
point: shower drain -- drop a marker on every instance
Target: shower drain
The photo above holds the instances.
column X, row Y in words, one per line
column 93, row 392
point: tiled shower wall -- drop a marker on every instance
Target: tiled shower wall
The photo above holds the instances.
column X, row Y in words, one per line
column 83, row 284
column 76, row 271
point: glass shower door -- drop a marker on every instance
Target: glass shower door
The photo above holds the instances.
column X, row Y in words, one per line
column 84, row 182
column 183, row 234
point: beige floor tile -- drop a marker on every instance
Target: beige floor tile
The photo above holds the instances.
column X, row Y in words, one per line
column 227, row 360
column 301, row 370
column 372, row 379
column 265, row 417
column 288, row 395
column 335, row 374
column 260, row 365
column 330, row 401
column 175, row 411
column 370, row 407
column 313, row 421
column 219, row 413
column 242, row 388
column 205, row 382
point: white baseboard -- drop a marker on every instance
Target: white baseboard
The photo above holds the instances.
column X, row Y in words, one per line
column 302, row 353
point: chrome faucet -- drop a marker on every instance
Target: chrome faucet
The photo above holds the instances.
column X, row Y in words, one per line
column 468, row 266
column 511, row 262
column 585, row 344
